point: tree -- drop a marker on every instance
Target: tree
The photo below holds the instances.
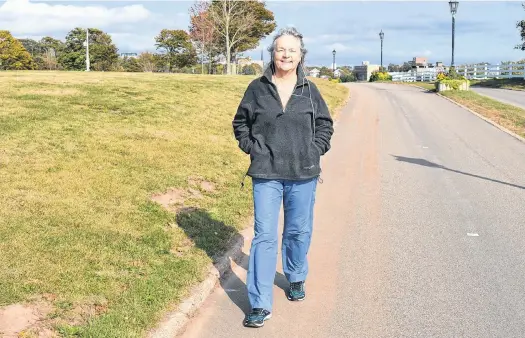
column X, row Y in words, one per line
column 406, row 67
column 325, row 71
column 521, row 26
column 264, row 24
column 103, row 53
column 33, row 47
column 233, row 21
column 346, row 70
column 394, row 68
column 53, row 48
column 252, row 69
column 179, row 51
column 13, row 55
column 49, row 60
column 48, row 42
column 348, row 77
column 36, row 50
column 202, row 31
column 130, row 64
column 147, row 62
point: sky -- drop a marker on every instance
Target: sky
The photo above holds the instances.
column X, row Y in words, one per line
column 485, row 30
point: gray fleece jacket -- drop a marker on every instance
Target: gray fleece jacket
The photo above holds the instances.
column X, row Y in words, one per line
column 283, row 142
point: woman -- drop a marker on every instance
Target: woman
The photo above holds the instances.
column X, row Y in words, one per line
column 284, row 124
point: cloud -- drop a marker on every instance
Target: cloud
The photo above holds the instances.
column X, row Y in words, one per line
column 439, row 27
column 23, row 17
column 129, row 42
column 354, row 49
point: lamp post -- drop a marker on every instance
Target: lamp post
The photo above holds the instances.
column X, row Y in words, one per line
column 86, row 43
column 453, row 10
column 333, row 64
column 381, row 36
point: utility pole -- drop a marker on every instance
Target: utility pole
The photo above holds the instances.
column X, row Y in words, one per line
column 381, row 36
column 87, row 49
column 453, row 10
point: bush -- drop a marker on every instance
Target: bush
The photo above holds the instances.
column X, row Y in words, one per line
column 453, row 83
column 441, row 76
column 380, row 76
column 335, row 80
column 452, row 79
column 347, row 78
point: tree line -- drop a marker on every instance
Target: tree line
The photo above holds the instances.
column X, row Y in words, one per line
column 220, row 30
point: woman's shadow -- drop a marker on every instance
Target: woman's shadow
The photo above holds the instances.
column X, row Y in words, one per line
column 215, row 238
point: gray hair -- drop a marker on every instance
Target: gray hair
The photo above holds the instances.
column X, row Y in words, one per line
column 288, row 31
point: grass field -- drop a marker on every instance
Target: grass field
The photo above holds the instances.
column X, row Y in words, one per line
column 508, row 116
column 86, row 162
column 427, row 85
column 513, row 83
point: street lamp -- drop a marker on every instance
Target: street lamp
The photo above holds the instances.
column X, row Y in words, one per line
column 453, row 9
column 381, row 36
column 86, row 44
column 333, row 64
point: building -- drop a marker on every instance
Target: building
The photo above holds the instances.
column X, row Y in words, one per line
column 419, row 62
column 338, row 73
column 364, row 72
column 314, row 72
column 129, row 55
column 440, row 68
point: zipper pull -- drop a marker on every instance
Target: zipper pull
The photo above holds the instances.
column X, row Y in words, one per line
column 242, row 182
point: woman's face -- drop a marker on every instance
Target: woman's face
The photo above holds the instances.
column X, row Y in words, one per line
column 287, row 54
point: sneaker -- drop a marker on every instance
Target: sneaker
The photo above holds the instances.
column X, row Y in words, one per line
column 257, row 317
column 296, row 291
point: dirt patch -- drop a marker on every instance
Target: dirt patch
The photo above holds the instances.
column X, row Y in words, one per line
column 173, row 199
column 201, row 183
column 85, row 310
column 25, row 320
column 170, row 198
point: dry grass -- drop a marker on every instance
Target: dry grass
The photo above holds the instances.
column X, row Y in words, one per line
column 508, row 116
column 81, row 156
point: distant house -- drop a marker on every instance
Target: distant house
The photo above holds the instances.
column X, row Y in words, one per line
column 129, row 55
column 364, row 72
column 315, row 72
column 338, row 73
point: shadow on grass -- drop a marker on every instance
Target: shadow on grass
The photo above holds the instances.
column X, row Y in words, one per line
column 425, row 163
column 216, row 238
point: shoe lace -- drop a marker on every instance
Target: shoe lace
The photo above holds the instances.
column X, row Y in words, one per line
column 256, row 314
column 296, row 286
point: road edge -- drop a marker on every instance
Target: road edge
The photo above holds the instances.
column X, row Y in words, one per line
column 174, row 322
column 500, row 127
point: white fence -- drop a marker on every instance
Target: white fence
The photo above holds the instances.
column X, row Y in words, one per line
column 471, row 72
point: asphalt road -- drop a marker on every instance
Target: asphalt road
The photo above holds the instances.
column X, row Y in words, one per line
column 514, row 97
column 419, row 230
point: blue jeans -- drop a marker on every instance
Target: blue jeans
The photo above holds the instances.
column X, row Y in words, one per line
column 298, row 198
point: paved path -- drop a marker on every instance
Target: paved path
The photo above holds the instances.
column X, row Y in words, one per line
column 514, row 97
column 419, row 230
